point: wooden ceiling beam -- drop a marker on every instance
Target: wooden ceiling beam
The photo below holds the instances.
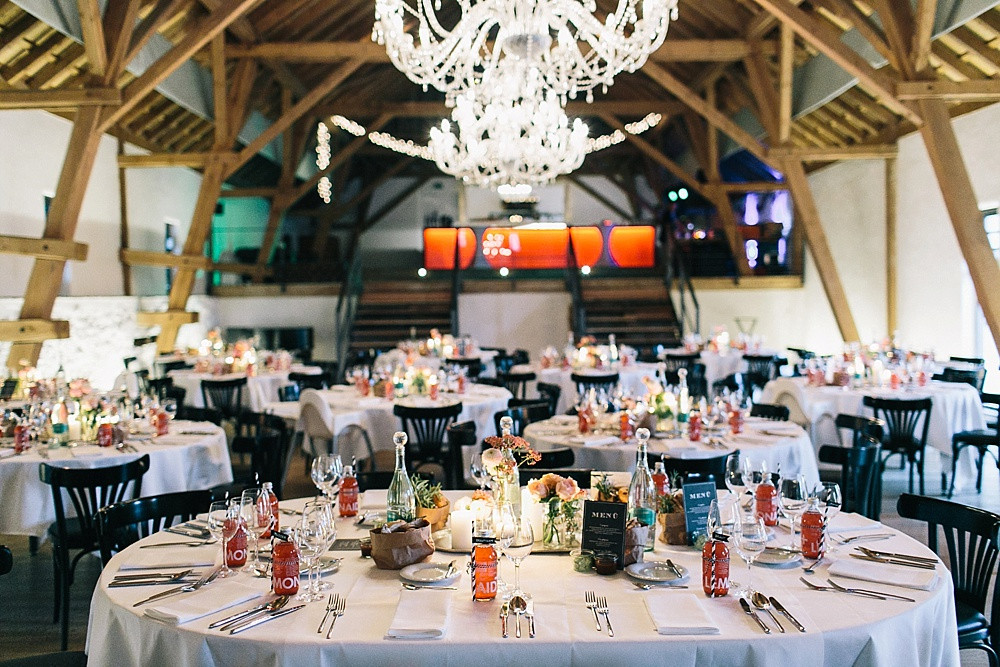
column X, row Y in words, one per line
column 923, row 33
column 192, row 160
column 92, row 28
column 856, row 152
column 880, row 84
column 59, row 99
column 985, row 89
column 119, row 22
column 161, row 13
column 786, row 76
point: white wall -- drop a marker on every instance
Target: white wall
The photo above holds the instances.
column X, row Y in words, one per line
column 318, row 312
column 531, row 321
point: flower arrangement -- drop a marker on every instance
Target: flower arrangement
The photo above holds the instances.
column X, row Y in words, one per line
column 563, row 497
column 505, row 453
column 79, row 388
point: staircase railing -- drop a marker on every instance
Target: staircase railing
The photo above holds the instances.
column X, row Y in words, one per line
column 575, row 288
column 456, row 289
column 677, row 275
column 347, row 306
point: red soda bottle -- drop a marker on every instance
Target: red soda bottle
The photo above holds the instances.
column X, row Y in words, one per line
column 583, row 418
column 162, row 423
column 390, row 390
column 766, row 506
column 694, row 426
column 736, row 420
column 21, row 436
column 895, row 381
column 483, row 567
column 461, row 383
column 348, row 497
column 236, row 546
column 268, row 498
column 660, row 480
column 284, row 566
column 813, row 531
column 434, row 390
column 715, row 569
column 625, row 426
column 105, row 435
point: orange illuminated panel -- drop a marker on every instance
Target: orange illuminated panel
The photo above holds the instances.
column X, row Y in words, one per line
column 439, row 248
column 633, row 247
column 539, row 248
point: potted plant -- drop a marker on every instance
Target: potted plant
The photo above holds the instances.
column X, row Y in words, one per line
column 431, row 503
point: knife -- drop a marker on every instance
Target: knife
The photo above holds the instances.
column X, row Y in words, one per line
column 888, row 554
column 895, row 561
column 264, row 619
column 504, row 610
column 129, row 583
column 189, row 532
column 750, row 612
column 674, row 569
column 529, row 613
column 238, row 616
column 781, row 609
column 206, row 578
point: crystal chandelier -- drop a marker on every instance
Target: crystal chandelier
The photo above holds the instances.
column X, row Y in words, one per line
column 458, row 47
column 507, row 136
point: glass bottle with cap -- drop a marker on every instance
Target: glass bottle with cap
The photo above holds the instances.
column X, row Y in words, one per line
column 641, row 491
column 401, row 503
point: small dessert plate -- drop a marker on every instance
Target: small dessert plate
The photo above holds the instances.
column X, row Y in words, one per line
column 429, row 574
column 657, row 572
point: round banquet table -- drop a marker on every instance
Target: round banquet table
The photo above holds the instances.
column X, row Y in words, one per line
column 955, row 407
column 785, row 446
column 630, row 380
column 193, row 456
column 841, row 629
column 260, row 389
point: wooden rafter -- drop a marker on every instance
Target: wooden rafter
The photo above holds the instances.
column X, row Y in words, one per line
column 580, row 183
column 59, row 99
column 93, row 36
column 923, row 27
column 392, row 204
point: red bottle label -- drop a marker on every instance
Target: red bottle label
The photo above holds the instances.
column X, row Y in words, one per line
column 767, row 504
column 583, row 421
column 895, row 381
column 162, row 423
column 626, row 426
column 348, row 497
column 813, row 534
column 390, row 390
column 21, row 433
column 461, row 383
column 484, row 572
column 715, row 569
column 434, row 391
column 236, row 546
column 285, row 569
column 105, row 435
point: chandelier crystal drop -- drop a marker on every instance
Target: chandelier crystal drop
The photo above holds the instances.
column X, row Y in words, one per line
column 457, row 45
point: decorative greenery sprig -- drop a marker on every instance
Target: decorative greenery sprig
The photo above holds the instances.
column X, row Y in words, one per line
column 426, row 494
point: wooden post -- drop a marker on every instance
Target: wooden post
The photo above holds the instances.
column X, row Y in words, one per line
column 890, row 245
column 963, row 208
column 123, row 225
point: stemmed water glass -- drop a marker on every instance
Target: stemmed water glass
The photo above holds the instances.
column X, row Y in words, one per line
column 750, row 539
column 830, row 498
column 734, row 477
column 478, row 474
column 256, row 512
column 170, row 407
column 504, row 521
column 311, row 538
column 793, row 496
column 223, row 522
column 521, row 540
column 754, row 475
column 327, row 469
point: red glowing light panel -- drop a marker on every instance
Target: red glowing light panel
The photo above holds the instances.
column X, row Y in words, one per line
column 540, row 248
column 439, row 248
column 633, row 247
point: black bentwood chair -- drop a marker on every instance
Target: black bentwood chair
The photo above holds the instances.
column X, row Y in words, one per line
column 901, row 418
column 127, row 522
column 427, row 428
column 982, row 440
column 778, row 413
column 860, row 475
column 970, row 535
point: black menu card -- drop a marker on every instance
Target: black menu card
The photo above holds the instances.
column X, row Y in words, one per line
column 697, row 501
column 604, row 528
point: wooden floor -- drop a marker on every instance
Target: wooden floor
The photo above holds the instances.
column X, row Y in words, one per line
column 26, row 626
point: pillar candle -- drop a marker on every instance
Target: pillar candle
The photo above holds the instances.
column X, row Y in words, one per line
column 461, row 529
column 74, row 428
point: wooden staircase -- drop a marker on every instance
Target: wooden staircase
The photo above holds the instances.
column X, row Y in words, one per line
column 388, row 310
column 638, row 311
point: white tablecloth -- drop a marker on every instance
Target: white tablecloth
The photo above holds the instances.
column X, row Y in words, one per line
column 479, row 403
column 792, row 455
column 176, row 463
column 630, row 380
column 260, row 389
column 842, row 629
column 956, row 407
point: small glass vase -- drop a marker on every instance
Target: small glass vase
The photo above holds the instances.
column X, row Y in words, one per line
column 561, row 525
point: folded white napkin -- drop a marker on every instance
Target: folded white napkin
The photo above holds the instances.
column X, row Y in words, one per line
column 849, row 523
column 5, row 452
column 420, row 615
column 679, row 615
column 220, row 594
column 884, row 573
column 168, row 558
column 595, row 440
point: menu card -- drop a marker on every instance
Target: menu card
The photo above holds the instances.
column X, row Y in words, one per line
column 698, row 499
column 604, row 528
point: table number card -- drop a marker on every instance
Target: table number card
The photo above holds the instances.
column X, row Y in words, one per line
column 697, row 501
column 604, row 528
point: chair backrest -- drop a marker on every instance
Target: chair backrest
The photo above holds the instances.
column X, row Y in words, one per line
column 8, row 388
column 975, row 361
column 226, row 396
column 761, row 369
column 503, row 363
column 159, row 386
column 770, row 411
column 426, row 428
column 550, row 393
column 731, row 383
column 272, row 450
column 675, row 362
column 970, row 536
column 560, row 457
column 516, row 383
column 6, row 559
column 535, row 409
column 901, row 417
column 127, row 522
column 580, row 475
column 860, row 427
column 308, row 380
column 380, row 479
column 289, row 393
column 473, row 367
column 167, row 366
column 585, row 383
column 353, row 442
column 859, row 475
column 199, row 414
column 714, row 468
column 521, row 357
column 519, row 417
column 90, row 489
column 316, row 416
column 974, row 377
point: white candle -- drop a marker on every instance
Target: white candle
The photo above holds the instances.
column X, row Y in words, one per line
column 74, row 428
column 461, row 529
column 536, row 516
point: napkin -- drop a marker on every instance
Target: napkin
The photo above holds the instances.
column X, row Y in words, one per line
column 168, row 558
column 885, row 573
column 850, row 523
column 219, row 595
column 679, row 615
column 4, row 453
column 420, row 615
column 595, row 440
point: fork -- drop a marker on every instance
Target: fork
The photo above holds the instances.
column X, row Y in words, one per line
column 338, row 611
column 853, row 591
column 873, row 537
column 331, row 605
column 602, row 606
column 592, row 606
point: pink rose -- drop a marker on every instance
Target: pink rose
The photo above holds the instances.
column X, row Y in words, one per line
column 567, row 489
column 538, row 489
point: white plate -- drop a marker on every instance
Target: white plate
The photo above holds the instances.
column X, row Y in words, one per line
column 657, row 572
column 777, row 558
column 429, row 573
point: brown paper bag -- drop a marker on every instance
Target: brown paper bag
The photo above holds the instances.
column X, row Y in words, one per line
column 673, row 528
column 636, row 536
column 394, row 551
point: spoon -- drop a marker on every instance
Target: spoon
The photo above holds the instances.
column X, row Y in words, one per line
column 518, row 605
column 812, row 568
column 649, row 587
column 414, row 587
column 273, row 605
column 761, row 602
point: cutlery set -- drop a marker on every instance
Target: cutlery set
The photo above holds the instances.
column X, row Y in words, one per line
column 920, row 562
column 206, row 578
column 151, row 579
column 766, row 604
column 861, row 592
column 599, row 605
column 519, row 606
column 335, row 606
column 255, row 616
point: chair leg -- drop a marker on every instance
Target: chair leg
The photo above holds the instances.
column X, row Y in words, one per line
column 65, row 612
column 57, row 587
column 979, row 470
column 954, row 466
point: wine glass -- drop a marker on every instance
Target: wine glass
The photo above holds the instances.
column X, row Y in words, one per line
column 326, row 509
column 750, row 539
column 793, row 496
column 830, row 498
column 310, row 537
column 170, row 407
column 478, row 474
column 753, row 475
column 327, row 469
column 504, row 521
column 223, row 528
column 734, row 477
column 256, row 512
column 522, row 539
